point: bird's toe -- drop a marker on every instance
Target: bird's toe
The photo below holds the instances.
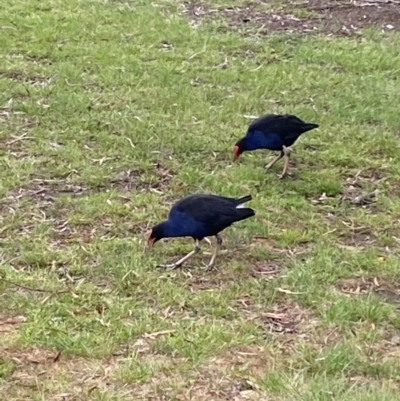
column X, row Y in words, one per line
column 210, row 268
column 170, row 266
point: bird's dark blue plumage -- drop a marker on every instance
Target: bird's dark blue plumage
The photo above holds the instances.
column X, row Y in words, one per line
column 274, row 132
column 199, row 216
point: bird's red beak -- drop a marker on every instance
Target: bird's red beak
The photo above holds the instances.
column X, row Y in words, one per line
column 150, row 241
column 236, row 153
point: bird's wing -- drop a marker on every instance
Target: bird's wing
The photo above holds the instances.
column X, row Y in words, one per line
column 276, row 124
column 210, row 210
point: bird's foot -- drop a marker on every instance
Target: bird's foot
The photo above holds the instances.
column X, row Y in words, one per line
column 282, row 176
column 171, row 266
column 287, row 150
column 210, row 267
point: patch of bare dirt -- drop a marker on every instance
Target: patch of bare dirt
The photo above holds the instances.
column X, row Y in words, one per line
column 199, row 283
column 357, row 189
column 131, row 180
column 360, row 190
column 357, row 236
column 105, row 228
column 202, row 280
column 60, row 377
column 44, row 191
column 9, row 325
column 212, row 384
column 216, row 380
column 229, row 376
column 267, row 270
column 285, row 317
column 25, row 78
column 37, row 59
column 41, row 195
column 237, row 372
column 342, row 17
column 364, row 285
column 359, row 285
column 26, row 208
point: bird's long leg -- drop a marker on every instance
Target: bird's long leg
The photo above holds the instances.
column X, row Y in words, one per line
column 286, row 151
column 210, row 266
column 277, row 158
column 181, row 261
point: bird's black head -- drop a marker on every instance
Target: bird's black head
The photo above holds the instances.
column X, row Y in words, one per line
column 156, row 233
column 238, row 149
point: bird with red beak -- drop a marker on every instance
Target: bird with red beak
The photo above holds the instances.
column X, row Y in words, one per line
column 274, row 132
column 200, row 216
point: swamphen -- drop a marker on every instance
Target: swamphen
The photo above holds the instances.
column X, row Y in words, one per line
column 273, row 132
column 199, row 216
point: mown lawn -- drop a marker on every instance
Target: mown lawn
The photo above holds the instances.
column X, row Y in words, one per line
column 112, row 110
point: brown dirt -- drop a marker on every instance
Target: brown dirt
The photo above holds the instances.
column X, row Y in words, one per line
column 266, row 269
column 42, row 193
column 200, row 280
column 133, row 179
column 9, row 325
column 357, row 189
column 363, row 285
column 357, row 236
column 61, row 377
column 313, row 16
column 37, row 371
column 44, row 190
column 22, row 77
column 287, row 318
column 284, row 317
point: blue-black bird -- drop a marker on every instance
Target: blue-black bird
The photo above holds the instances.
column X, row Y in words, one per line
column 274, row 132
column 200, row 216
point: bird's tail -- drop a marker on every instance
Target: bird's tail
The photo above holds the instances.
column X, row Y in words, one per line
column 244, row 213
column 241, row 201
column 309, row 127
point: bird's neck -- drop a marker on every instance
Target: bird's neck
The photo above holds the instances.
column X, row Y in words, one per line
column 249, row 143
column 167, row 228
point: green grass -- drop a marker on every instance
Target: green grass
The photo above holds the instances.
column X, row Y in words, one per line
column 109, row 112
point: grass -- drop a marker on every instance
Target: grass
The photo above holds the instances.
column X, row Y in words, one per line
column 110, row 111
